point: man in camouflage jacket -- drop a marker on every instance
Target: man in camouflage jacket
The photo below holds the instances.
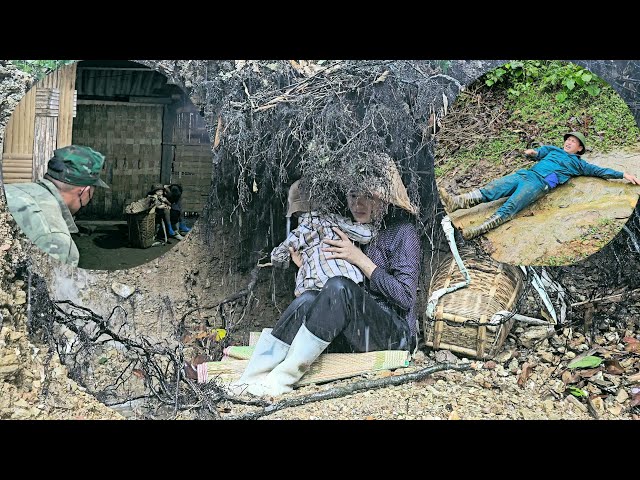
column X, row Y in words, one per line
column 44, row 210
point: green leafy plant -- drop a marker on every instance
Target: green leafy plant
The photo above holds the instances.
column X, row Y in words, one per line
column 576, row 392
column 39, row 68
column 566, row 80
column 586, row 362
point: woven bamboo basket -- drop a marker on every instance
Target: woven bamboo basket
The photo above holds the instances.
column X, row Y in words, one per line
column 458, row 323
column 141, row 220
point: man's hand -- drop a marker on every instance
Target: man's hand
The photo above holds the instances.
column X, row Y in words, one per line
column 631, row 177
column 530, row 152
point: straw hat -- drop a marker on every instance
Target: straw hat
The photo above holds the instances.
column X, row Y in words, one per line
column 398, row 195
column 395, row 192
column 297, row 200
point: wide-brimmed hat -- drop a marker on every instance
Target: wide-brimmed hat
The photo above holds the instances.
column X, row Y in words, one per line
column 391, row 190
column 297, row 200
column 399, row 195
column 580, row 137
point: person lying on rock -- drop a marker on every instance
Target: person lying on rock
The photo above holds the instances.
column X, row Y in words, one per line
column 555, row 166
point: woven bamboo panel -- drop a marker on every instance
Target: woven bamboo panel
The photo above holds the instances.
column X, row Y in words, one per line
column 130, row 137
column 17, row 167
column 64, row 78
column 190, row 127
column 459, row 315
column 18, row 141
column 40, row 123
column 192, row 169
column 47, row 102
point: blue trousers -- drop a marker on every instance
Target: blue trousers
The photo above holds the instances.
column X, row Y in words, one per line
column 522, row 187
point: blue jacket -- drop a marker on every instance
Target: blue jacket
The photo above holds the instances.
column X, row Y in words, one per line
column 554, row 160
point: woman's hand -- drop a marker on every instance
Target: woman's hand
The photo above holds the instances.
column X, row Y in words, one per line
column 295, row 256
column 346, row 250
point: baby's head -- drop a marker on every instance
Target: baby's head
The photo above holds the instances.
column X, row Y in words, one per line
column 158, row 189
column 298, row 201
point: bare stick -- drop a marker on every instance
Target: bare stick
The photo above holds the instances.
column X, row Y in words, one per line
column 349, row 389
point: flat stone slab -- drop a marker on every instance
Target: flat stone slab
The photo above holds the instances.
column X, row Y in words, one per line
column 581, row 210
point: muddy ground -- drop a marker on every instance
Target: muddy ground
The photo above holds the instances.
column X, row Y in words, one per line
column 105, row 245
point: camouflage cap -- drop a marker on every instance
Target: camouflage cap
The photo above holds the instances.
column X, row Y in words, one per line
column 77, row 165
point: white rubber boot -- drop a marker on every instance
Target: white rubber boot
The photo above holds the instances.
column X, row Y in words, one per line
column 305, row 349
column 268, row 353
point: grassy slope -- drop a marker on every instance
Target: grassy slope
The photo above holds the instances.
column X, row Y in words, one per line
column 485, row 126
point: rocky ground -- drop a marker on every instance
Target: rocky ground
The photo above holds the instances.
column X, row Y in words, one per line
column 521, row 383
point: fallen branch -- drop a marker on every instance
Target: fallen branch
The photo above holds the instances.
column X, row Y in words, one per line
column 612, row 298
column 338, row 392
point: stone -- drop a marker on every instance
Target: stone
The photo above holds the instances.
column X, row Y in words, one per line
column 577, row 403
column 615, row 409
column 598, row 404
column 9, row 359
column 622, row 396
column 20, row 297
column 513, row 366
column 532, row 335
column 122, row 290
column 547, row 357
column 503, row 356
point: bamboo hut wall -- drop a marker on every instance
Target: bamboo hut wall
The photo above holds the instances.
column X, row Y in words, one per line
column 45, row 132
column 192, row 169
column 66, row 83
column 44, row 144
column 130, row 137
column 41, row 122
column 17, row 156
column 192, row 162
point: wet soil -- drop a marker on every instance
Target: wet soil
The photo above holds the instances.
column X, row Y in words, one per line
column 105, row 245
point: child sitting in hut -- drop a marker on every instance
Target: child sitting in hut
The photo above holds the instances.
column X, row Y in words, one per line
column 313, row 227
column 158, row 196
